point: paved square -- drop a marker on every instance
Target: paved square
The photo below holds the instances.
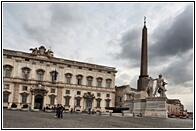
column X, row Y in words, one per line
column 20, row 119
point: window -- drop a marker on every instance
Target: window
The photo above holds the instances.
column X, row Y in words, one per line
column 52, row 90
column 67, row 101
column 79, row 79
column 99, row 82
column 107, row 103
column 54, row 76
column 79, row 82
column 52, row 100
column 24, row 88
column 68, row 78
column 79, row 67
column 89, row 82
column 108, row 83
column 24, row 99
column 5, row 97
column 107, row 95
column 8, row 56
column 69, row 66
column 98, row 103
column 6, row 86
column 40, row 74
column 7, row 72
column 78, row 92
column 67, row 91
column 77, row 102
column 98, row 94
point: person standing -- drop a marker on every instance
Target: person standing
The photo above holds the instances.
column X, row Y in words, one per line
column 58, row 111
column 61, row 111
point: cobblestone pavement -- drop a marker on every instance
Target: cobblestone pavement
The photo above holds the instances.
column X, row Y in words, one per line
column 20, row 119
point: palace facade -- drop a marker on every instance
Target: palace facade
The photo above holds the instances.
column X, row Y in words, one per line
column 39, row 79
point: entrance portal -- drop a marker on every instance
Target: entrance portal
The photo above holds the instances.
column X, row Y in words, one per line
column 38, row 102
column 88, row 104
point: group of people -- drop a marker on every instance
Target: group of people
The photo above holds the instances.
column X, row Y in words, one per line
column 59, row 111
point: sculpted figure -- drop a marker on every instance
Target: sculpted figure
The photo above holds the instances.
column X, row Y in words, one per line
column 149, row 87
column 160, row 86
column 34, row 51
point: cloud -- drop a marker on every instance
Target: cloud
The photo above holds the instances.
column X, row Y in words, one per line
column 130, row 47
column 174, row 39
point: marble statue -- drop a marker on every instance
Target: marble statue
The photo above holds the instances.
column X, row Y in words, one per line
column 149, row 87
column 160, row 86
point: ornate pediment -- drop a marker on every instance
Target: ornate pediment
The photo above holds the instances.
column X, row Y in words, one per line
column 41, row 51
column 89, row 96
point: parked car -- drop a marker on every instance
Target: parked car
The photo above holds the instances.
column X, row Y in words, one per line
column 184, row 116
column 171, row 116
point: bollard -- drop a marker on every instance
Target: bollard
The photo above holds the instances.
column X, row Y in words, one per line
column 110, row 113
column 133, row 115
column 122, row 113
column 100, row 113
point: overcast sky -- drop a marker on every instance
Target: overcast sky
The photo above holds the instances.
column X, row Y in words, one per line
column 110, row 34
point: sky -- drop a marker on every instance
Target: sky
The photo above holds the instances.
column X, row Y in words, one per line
column 110, row 34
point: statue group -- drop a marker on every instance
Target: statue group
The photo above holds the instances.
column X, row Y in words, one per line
column 160, row 87
column 42, row 51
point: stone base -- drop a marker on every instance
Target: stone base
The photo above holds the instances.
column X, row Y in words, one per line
column 139, row 106
column 156, row 107
column 129, row 104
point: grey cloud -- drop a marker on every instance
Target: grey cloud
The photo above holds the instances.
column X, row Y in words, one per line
column 65, row 14
column 175, row 40
column 130, row 43
column 180, row 71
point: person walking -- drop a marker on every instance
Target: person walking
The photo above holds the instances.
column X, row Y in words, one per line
column 61, row 111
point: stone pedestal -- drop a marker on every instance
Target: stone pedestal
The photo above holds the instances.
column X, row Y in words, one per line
column 139, row 106
column 129, row 104
column 156, row 107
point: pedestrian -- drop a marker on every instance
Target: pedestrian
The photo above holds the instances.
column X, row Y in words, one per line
column 61, row 111
column 89, row 110
column 58, row 111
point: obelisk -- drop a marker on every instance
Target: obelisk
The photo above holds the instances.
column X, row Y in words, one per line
column 143, row 81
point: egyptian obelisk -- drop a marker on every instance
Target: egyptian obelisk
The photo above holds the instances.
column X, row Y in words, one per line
column 143, row 81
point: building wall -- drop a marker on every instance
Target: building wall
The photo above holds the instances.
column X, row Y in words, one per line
column 16, row 81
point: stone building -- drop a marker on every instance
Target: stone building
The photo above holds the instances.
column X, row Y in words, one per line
column 174, row 106
column 123, row 96
column 39, row 79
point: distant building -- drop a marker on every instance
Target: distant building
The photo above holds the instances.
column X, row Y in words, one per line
column 39, row 79
column 123, row 96
column 174, row 106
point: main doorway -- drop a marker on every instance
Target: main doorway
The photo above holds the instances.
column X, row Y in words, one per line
column 38, row 102
column 88, row 104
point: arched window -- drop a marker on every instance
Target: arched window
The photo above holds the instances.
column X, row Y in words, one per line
column 99, row 82
column 40, row 74
column 107, row 102
column 79, row 79
column 54, row 75
column 68, row 77
column 89, row 80
column 108, row 83
column 7, row 69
